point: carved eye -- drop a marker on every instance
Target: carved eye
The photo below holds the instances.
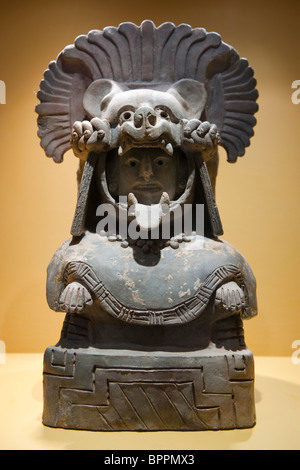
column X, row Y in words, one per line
column 161, row 161
column 132, row 162
column 126, row 116
column 163, row 113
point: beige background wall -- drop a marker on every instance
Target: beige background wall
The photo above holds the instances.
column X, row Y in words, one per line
column 258, row 197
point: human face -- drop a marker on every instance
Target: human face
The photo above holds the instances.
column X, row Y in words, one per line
column 145, row 172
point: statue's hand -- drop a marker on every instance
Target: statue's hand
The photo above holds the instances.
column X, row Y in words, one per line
column 200, row 136
column 230, row 297
column 90, row 136
column 74, row 298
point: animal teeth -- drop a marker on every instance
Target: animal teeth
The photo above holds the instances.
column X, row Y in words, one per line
column 169, row 149
column 164, row 199
column 165, row 202
column 132, row 200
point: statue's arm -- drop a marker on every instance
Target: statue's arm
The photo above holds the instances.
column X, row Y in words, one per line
column 64, row 293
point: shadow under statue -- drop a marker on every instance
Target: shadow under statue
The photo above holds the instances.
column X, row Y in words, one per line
column 155, row 301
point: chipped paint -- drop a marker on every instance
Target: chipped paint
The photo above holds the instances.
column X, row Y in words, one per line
column 136, row 298
column 125, row 276
column 182, row 293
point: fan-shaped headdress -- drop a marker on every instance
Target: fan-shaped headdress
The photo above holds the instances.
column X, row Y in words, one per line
column 149, row 57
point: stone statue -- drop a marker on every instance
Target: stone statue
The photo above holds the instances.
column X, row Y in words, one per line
column 154, row 299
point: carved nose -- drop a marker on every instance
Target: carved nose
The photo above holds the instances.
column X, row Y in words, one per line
column 146, row 171
column 145, row 116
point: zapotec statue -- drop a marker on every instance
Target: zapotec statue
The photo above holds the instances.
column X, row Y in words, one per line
column 154, row 299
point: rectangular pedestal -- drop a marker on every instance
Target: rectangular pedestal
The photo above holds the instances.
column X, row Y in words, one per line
column 112, row 390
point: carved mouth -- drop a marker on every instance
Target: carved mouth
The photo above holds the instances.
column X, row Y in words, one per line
column 165, row 136
column 129, row 144
column 153, row 186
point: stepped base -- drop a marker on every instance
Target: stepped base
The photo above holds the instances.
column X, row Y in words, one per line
column 112, row 390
